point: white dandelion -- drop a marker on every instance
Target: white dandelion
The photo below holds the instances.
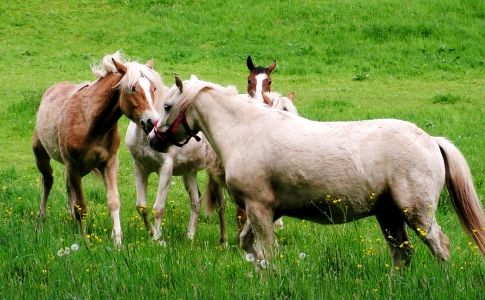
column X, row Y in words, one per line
column 75, row 247
column 163, row 243
column 264, row 263
column 302, row 255
column 250, row 257
column 67, row 251
column 60, row 253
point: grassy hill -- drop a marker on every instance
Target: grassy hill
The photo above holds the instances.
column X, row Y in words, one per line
column 421, row 61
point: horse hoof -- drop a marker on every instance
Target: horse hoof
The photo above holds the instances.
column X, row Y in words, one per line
column 156, row 233
column 41, row 216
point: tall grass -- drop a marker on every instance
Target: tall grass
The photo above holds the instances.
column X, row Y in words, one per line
column 420, row 61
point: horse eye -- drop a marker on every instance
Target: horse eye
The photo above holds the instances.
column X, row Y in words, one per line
column 133, row 89
column 167, row 107
column 269, row 83
column 154, row 89
column 249, row 81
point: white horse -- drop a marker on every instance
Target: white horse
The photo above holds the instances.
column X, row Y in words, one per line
column 279, row 164
column 183, row 161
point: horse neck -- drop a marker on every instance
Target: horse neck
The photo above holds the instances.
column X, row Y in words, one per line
column 222, row 120
column 103, row 107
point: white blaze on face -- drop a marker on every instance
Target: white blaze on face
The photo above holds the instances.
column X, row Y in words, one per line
column 259, row 87
column 145, row 85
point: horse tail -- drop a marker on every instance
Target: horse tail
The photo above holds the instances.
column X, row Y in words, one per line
column 463, row 196
column 98, row 174
column 210, row 199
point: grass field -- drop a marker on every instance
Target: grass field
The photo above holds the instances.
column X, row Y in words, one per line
column 420, row 61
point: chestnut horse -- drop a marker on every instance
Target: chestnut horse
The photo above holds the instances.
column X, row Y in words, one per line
column 77, row 125
column 278, row 164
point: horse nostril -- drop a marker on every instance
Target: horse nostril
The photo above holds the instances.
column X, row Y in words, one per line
column 142, row 123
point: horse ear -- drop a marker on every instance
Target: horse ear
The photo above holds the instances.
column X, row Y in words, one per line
column 150, row 64
column 267, row 100
column 250, row 64
column 291, row 96
column 119, row 66
column 179, row 83
column 272, row 66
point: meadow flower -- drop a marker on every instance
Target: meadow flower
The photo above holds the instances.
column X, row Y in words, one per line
column 163, row 243
column 60, row 253
column 75, row 247
column 67, row 251
column 264, row 263
column 302, row 255
column 250, row 257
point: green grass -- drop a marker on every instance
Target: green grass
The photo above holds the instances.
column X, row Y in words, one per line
column 420, row 61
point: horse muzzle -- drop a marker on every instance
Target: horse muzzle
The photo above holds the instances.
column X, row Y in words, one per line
column 158, row 144
column 147, row 125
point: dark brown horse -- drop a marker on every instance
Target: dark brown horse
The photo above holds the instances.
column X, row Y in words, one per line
column 77, row 125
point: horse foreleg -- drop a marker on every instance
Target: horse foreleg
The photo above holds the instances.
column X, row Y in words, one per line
column 165, row 175
column 141, row 184
column 110, row 175
column 190, row 184
column 261, row 221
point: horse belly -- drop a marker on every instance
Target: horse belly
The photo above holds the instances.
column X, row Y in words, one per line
column 48, row 133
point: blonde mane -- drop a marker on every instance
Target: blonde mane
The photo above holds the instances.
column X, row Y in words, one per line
column 134, row 72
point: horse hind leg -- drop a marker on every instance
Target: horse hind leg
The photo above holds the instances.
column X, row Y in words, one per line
column 190, row 184
column 241, row 221
column 424, row 223
column 393, row 227
column 42, row 161
column 418, row 211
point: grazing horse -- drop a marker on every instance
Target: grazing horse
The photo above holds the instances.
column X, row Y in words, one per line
column 77, row 125
column 279, row 164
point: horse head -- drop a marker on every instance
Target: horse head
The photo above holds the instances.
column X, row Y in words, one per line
column 163, row 135
column 139, row 88
column 259, row 79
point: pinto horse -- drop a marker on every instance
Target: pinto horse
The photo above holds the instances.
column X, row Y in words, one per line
column 259, row 80
column 77, row 125
column 280, row 164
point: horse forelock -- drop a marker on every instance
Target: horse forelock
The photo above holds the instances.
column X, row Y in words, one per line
column 260, row 70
